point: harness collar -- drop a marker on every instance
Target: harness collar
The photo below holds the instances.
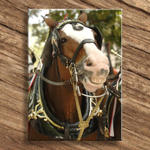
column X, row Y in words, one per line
column 41, row 111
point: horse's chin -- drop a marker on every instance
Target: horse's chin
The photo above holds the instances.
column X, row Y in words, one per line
column 91, row 87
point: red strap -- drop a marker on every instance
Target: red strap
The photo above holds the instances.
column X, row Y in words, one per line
column 32, row 81
column 115, row 71
column 66, row 16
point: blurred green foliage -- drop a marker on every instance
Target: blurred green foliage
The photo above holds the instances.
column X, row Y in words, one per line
column 108, row 21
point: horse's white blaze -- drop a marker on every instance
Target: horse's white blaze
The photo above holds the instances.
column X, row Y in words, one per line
column 79, row 36
column 96, row 56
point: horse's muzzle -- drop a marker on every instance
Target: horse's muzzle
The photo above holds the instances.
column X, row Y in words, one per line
column 93, row 72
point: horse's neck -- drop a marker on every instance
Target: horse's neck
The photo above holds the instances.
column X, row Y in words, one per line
column 60, row 99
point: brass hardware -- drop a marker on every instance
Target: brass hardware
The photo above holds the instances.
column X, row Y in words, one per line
column 106, row 132
column 99, row 114
column 39, row 112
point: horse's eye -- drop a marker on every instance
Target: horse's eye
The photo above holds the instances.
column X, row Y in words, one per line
column 63, row 40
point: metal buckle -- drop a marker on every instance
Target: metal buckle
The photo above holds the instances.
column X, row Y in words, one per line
column 73, row 72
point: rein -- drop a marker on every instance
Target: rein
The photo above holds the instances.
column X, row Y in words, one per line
column 67, row 82
column 83, row 124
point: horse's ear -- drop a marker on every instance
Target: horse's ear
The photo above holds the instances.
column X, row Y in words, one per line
column 50, row 22
column 83, row 17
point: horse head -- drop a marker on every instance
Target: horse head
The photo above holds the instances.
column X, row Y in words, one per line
column 80, row 44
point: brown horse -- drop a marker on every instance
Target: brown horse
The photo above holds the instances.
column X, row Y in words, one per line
column 73, row 64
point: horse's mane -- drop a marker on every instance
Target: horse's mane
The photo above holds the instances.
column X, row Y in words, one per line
column 47, row 51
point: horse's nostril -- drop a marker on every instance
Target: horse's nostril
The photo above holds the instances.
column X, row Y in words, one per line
column 102, row 72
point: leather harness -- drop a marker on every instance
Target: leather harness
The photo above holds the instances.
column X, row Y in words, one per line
column 39, row 111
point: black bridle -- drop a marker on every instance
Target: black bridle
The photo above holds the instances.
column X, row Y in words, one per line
column 57, row 45
column 57, row 51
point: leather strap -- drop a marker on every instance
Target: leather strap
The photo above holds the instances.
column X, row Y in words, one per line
column 73, row 59
column 67, row 82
